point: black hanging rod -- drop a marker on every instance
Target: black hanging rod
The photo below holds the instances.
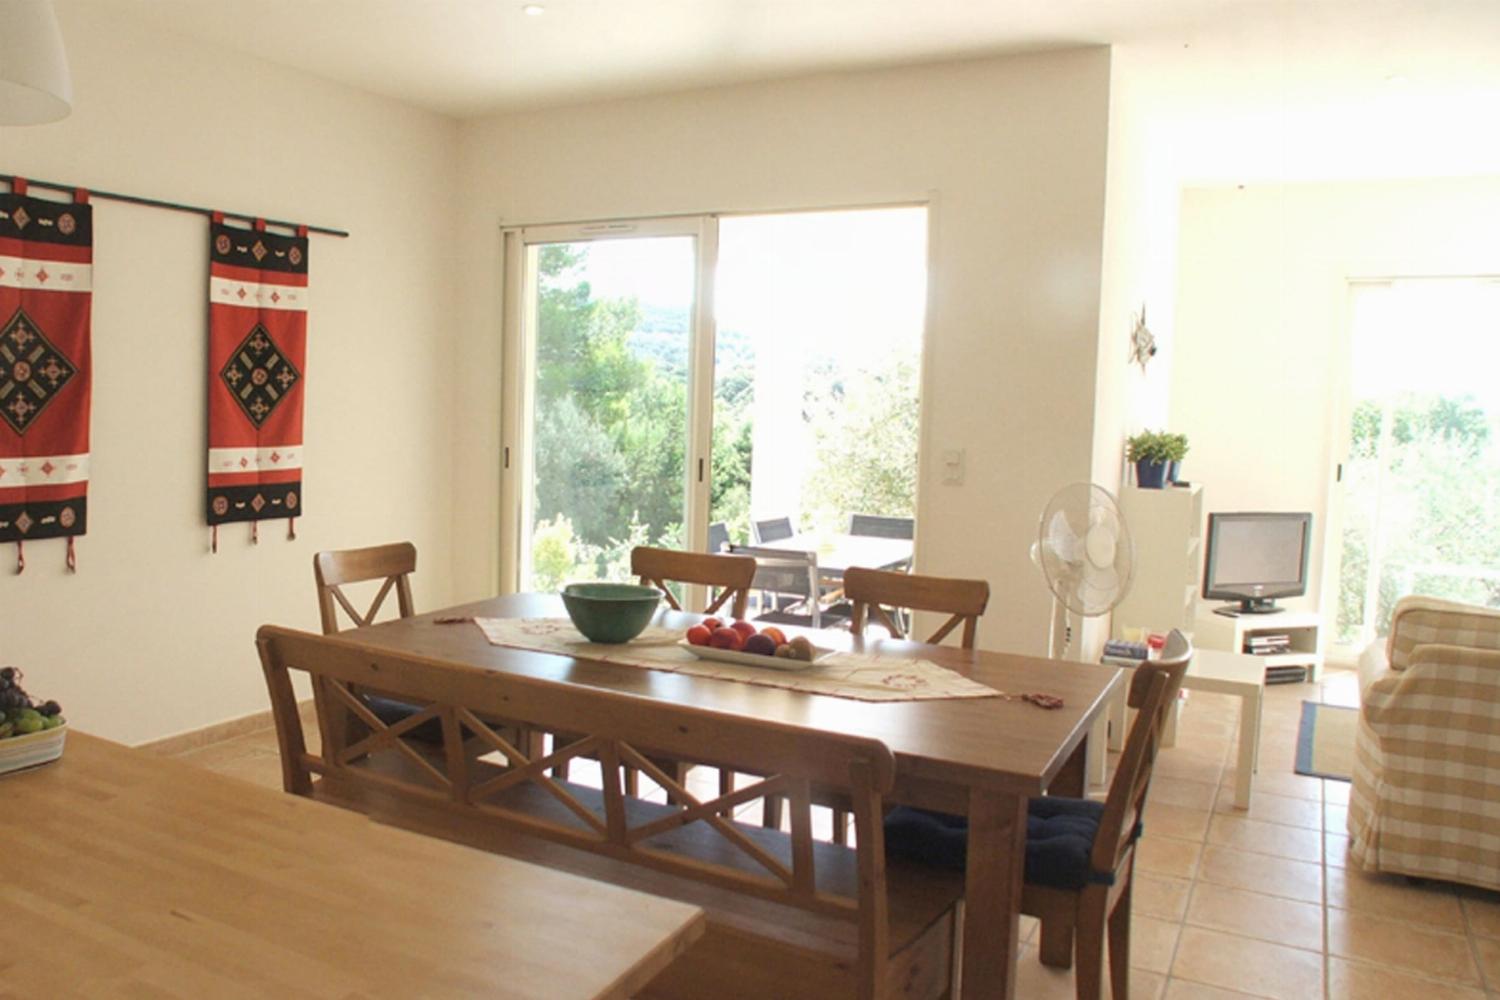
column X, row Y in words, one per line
column 175, row 206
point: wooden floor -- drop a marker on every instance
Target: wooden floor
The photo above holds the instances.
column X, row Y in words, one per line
column 1230, row 903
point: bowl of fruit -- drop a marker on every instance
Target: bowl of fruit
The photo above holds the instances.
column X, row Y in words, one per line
column 610, row 612
column 741, row 642
column 31, row 733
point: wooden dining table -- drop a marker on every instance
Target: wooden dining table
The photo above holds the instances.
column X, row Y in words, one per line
column 980, row 757
column 127, row 874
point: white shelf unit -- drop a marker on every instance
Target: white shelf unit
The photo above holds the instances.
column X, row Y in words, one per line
column 1303, row 629
column 1167, row 526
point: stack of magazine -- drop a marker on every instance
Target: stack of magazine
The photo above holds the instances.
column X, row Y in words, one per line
column 1121, row 653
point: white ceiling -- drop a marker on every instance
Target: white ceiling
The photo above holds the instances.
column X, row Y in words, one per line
column 471, row 57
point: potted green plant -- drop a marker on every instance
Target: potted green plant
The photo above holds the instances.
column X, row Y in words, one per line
column 1151, row 451
column 1179, row 443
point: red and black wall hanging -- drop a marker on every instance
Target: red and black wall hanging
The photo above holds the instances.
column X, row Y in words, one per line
column 46, row 367
column 257, row 367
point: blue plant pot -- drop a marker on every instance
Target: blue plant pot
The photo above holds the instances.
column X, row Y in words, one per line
column 1174, row 471
column 1150, row 475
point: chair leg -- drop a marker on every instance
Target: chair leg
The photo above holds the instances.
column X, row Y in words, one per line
column 770, row 812
column 1056, row 948
column 726, row 785
column 1119, row 946
column 1089, row 943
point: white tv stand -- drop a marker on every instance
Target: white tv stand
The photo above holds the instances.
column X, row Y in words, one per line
column 1303, row 628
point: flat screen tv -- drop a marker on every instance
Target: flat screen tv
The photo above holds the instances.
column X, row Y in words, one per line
column 1255, row 557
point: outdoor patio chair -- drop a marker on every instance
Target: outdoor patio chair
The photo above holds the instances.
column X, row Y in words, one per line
column 880, row 526
column 772, row 529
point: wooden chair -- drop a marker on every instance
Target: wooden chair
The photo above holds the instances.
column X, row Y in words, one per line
column 772, row 529
column 872, row 591
column 788, row 917
column 879, row 526
column 1079, row 888
column 1079, row 920
column 394, row 564
column 730, row 575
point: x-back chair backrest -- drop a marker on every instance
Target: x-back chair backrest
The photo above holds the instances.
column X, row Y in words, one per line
column 873, row 591
column 620, row 730
column 1119, row 825
column 730, row 575
column 393, row 564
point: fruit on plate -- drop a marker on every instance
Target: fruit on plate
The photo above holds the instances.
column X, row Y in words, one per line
column 802, row 648
column 741, row 636
column 761, row 644
column 726, row 638
column 19, row 715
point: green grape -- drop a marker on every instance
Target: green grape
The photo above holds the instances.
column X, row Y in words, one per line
column 31, row 725
column 5, row 728
column 51, row 721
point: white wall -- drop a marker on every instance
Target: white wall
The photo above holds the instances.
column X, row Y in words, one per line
column 1012, row 151
column 1138, row 271
column 1261, row 326
column 153, row 635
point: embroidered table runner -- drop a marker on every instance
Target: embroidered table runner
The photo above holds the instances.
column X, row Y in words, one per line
column 860, row 676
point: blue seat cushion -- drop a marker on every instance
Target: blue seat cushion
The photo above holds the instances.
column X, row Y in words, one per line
column 390, row 711
column 1059, row 837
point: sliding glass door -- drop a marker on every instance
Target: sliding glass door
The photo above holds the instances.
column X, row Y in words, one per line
column 635, row 413
column 1420, row 481
column 609, row 332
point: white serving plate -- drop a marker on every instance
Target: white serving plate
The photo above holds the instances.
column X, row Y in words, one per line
column 20, row 752
column 754, row 659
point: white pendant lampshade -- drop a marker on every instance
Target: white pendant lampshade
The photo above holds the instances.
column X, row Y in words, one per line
column 35, row 86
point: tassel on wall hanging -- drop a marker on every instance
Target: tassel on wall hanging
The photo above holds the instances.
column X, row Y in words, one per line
column 257, row 363
column 46, row 368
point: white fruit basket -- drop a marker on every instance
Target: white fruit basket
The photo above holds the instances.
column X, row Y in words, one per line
column 20, row 752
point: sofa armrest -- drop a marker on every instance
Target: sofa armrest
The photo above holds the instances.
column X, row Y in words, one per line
column 1373, row 665
column 1444, row 686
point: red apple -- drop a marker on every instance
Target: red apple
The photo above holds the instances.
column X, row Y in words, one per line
column 712, row 623
column 745, row 629
column 698, row 635
column 726, row 638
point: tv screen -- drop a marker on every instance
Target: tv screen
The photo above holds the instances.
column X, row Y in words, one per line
column 1254, row 557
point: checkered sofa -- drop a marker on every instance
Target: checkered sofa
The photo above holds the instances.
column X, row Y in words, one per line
column 1425, row 798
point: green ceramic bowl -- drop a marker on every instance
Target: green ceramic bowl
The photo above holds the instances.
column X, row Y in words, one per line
column 610, row 612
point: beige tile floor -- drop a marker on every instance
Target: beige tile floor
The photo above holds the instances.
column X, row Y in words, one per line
column 1232, row 903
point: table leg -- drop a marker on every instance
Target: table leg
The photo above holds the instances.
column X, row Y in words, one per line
column 1098, row 740
column 1244, row 768
column 1119, row 708
column 1072, row 780
column 1169, row 730
column 992, row 895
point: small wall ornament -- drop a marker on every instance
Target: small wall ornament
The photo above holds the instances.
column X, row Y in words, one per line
column 1142, row 343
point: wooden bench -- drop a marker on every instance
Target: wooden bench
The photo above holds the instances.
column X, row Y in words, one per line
column 788, row 916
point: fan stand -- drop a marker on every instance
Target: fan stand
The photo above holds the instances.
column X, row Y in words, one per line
column 1057, row 638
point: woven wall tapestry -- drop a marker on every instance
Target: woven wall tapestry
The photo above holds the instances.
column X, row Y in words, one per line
column 46, row 368
column 257, row 363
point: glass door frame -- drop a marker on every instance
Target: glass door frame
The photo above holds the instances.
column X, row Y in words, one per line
column 1341, row 436
column 518, row 366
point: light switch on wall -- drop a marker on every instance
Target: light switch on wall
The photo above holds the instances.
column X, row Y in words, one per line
column 953, row 467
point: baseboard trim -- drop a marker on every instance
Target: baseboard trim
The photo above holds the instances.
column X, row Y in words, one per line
column 218, row 732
